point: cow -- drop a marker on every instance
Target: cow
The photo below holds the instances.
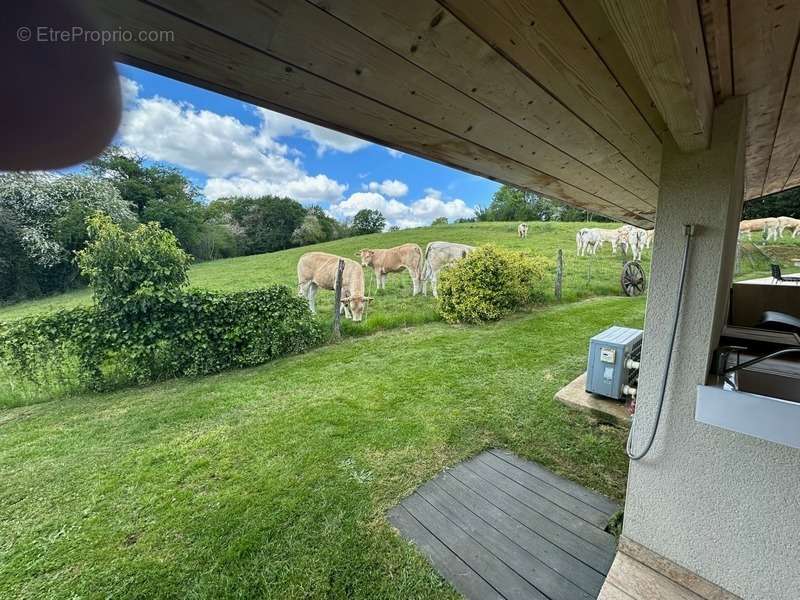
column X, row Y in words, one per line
column 318, row 270
column 649, row 235
column 394, row 260
column 590, row 240
column 769, row 225
column 637, row 240
column 522, row 230
column 437, row 256
column 785, row 223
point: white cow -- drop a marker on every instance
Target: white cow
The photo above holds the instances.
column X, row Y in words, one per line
column 637, row 240
column 648, row 240
column 785, row 223
column 590, row 240
column 318, row 270
column 522, row 230
column 437, row 256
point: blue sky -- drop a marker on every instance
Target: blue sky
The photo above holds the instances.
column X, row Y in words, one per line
column 227, row 147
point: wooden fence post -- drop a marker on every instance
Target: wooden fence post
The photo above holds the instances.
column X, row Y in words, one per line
column 559, row 273
column 337, row 301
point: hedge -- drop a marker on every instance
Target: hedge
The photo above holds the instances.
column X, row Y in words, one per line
column 194, row 333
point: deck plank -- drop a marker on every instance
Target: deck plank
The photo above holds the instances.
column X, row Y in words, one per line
column 496, row 527
column 568, row 502
column 592, row 534
column 579, row 573
column 600, row 502
column 452, row 568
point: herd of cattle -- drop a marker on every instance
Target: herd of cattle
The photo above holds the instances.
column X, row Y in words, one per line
column 589, row 241
column 319, row 269
column 773, row 227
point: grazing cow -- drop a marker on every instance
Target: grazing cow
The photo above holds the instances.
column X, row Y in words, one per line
column 590, row 240
column 785, row 223
column 437, row 256
column 394, row 260
column 769, row 225
column 637, row 240
column 522, row 230
column 318, row 270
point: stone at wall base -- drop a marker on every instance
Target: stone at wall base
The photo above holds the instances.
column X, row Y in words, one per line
column 605, row 410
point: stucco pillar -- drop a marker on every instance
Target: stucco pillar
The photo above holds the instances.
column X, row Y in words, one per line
column 724, row 505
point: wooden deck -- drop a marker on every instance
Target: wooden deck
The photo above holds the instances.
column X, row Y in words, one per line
column 498, row 526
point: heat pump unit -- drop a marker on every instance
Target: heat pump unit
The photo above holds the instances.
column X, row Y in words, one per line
column 613, row 368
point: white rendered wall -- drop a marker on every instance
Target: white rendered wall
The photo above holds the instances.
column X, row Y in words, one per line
column 722, row 504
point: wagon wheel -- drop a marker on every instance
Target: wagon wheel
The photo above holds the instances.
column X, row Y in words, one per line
column 632, row 279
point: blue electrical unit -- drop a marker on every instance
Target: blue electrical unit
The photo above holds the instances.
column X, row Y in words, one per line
column 614, row 361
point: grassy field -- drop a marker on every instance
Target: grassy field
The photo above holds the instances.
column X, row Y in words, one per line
column 584, row 277
column 273, row 482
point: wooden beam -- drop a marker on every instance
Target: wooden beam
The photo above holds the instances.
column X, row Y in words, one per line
column 541, row 40
column 717, row 32
column 786, row 148
column 764, row 33
column 590, row 17
column 215, row 61
column 664, row 40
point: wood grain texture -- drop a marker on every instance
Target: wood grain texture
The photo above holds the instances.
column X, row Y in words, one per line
column 643, row 583
column 717, row 32
column 664, row 41
column 427, row 35
column 540, row 38
column 764, row 33
column 216, row 61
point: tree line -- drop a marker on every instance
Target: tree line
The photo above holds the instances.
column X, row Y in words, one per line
column 43, row 219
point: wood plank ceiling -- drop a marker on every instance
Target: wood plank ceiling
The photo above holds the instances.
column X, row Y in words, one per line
column 537, row 93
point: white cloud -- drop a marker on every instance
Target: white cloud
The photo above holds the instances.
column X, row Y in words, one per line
column 418, row 213
column 130, row 90
column 394, row 153
column 433, row 192
column 277, row 125
column 237, row 158
column 388, row 187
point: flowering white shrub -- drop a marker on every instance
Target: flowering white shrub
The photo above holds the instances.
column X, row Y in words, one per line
column 39, row 204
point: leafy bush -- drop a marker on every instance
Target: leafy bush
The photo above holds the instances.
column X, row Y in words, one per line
column 193, row 333
column 134, row 267
column 489, row 283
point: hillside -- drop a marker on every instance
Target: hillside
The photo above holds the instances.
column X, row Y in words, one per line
column 583, row 276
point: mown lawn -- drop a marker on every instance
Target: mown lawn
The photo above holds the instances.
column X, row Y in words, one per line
column 584, row 277
column 273, row 482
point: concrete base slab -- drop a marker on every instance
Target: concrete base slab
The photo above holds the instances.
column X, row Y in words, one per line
column 574, row 395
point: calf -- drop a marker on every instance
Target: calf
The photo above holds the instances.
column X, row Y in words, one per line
column 394, row 260
column 522, row 230
column 437, row 256
column 318, row 270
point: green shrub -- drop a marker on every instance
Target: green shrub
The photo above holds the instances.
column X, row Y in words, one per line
column 192, row 333
column 489, row 283
column 132, row 267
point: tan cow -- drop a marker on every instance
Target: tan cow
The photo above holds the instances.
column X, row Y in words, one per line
column 769, row 224
column 522, row 230
column 394, row 260
column 318, row 270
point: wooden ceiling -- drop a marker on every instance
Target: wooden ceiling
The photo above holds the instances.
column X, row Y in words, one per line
column 542, row 94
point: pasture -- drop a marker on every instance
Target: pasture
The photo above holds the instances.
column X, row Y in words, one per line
column 583, row 276
column 273, row 481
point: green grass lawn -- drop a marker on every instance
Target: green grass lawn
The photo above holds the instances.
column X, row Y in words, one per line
column 584, row 277
column 273, row 482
